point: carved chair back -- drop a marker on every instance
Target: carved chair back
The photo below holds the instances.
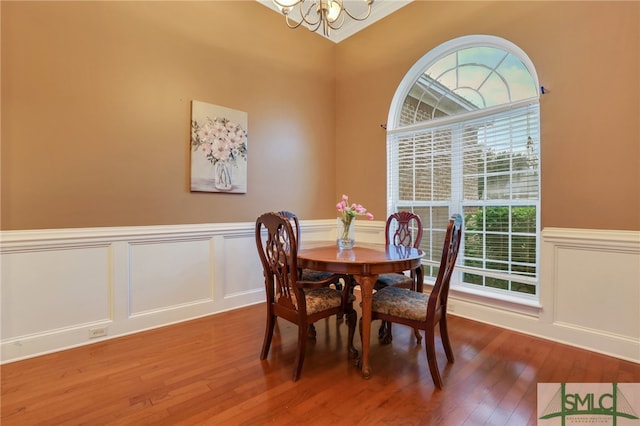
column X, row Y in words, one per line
column 277, row 247
column 403, row 229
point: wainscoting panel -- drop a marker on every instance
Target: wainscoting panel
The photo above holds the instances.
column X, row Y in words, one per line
column 166, row 274
column 599, row 290
column 240, row 275
column 41, row 290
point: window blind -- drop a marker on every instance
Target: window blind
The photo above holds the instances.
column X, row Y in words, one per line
column 484, row 165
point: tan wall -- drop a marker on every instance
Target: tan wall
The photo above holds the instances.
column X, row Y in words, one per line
column 585, row 53
column 96, row 112
column 95, row 107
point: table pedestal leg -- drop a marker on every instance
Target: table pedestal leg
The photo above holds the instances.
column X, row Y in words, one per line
column 366, row 283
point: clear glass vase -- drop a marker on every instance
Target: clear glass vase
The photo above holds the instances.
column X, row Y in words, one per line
column 345, row 233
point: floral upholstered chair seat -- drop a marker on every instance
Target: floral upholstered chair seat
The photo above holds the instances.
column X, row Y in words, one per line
column 401, row 302
column 321, row 299
column 394, row 279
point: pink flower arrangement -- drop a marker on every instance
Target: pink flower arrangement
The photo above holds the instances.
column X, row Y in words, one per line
column 349, row 212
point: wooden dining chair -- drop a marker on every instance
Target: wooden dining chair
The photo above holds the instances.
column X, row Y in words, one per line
column 425, row 311
column 288, row 297
column 402, row 229
column 308, row 274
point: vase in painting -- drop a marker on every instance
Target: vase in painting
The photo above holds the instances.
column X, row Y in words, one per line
column 222, row 175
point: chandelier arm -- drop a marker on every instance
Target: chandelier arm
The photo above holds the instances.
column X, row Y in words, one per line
column 289, row 20
column 287, row 5
column 360, row 18
column 314, row 27
column 305, row 15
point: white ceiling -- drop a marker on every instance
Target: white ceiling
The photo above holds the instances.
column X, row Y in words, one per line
column 379, row 10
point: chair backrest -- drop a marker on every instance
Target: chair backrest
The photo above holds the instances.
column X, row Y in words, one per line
column 437, row 304
column 295, row 223
column 277, row 248
column 403, row 229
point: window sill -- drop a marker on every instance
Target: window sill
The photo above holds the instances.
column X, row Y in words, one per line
column 459, row 293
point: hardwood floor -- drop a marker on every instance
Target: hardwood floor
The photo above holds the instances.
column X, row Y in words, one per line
column 208, row 372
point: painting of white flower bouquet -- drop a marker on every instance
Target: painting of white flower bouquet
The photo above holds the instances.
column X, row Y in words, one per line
column 219, row 148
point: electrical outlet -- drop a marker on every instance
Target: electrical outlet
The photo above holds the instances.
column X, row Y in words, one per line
column 97, row 332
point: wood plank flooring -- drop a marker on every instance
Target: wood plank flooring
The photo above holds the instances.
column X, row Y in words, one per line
column 208, row 372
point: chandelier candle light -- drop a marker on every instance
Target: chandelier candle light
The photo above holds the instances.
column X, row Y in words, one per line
column 345, row 231
column 315, row 13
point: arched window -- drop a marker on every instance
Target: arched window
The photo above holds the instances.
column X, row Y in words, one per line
column 463, row 136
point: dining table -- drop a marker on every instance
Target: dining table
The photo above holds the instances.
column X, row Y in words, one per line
column 364, row 262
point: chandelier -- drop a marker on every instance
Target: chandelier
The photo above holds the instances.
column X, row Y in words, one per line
column 330, row 14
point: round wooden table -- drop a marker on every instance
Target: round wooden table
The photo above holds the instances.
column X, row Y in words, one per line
column 364, row 262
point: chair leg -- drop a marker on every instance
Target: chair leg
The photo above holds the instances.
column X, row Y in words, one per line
column 268, row 335
column 444, row 335
column 430, row 346
column 340, row 315
column 382, row 330
column 352, row 319
column 387, row 338
column 302, row 346
column 312, row 331
column 416, row 332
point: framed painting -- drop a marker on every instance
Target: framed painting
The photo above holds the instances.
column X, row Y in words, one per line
column 218, row 149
